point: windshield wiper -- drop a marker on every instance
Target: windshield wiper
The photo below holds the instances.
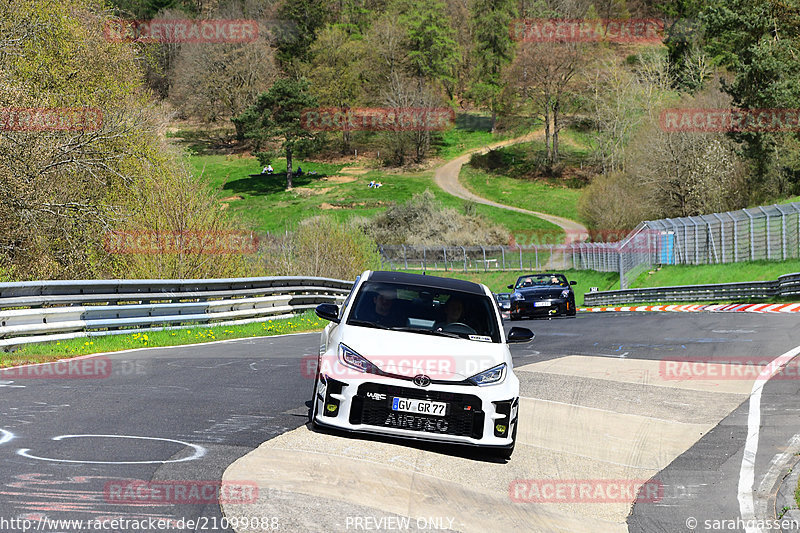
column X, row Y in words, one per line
column 366, row 323
column 428, row 332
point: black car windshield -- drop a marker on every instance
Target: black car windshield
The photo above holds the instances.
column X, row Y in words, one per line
column 425, row 310
column 541, row 280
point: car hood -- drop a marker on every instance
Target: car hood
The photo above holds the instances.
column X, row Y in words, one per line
column 550, row 291
column 410, row 354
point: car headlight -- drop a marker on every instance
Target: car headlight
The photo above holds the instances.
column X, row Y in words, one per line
column 565, row 293
column 351, row 359
column 490, row 377
column 517, row 296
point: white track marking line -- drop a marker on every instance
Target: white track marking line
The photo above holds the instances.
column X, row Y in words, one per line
column 199, row 451
column 747, row 470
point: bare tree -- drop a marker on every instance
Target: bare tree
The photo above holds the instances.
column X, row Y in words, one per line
column 545, row 76
column 217, row 81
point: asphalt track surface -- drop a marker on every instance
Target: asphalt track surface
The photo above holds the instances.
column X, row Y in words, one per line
column 188, row 413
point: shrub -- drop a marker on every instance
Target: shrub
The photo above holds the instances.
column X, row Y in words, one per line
column 423, row 221
column 323, row 247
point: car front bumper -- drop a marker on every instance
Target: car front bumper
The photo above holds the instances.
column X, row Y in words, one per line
column 476, row 416
column 544, row 307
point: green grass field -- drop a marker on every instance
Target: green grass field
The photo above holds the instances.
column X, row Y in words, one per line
column 527, row 194
column 722, row 273
column 40, row 353
column 510, row 181
column 262, row 203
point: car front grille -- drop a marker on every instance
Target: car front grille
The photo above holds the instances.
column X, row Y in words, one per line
column 372, row 406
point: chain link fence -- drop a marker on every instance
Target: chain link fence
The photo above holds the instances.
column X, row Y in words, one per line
column 764, row 232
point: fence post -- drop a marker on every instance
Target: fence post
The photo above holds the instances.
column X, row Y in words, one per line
column 465, row 258
column 444, row 249
column 721, row 235
column 485, row 266
column 766, row 228
column 520, row 258
column 752, row 244
column 405, row 257
column 503, row 252
column 536, row 255
column 424, row 260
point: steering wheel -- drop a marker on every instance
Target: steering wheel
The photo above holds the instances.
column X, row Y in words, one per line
column 459, row 327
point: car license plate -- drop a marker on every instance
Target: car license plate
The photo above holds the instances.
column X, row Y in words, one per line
column 541, row 304
column 425, row 407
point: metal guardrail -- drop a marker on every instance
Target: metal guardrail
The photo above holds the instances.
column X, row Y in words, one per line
column 786, row 285
column 44, row 311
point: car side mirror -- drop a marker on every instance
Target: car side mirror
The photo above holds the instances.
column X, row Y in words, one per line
column 510, row 286
column 520, row 335
column 328, row 312
column 573, row 282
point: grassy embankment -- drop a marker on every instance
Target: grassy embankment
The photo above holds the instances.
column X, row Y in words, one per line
column 40, row 353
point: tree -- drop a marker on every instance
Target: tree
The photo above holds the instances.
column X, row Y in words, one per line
column 336, row 70
column 63, row 191
column 306, row 18
column 544, row 75
column 217, row 81
column 276, row 116
column 621, row 97
column 432, row 51
column 759, row 42
column 490, row 20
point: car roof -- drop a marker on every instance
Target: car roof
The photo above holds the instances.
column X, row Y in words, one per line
column 427, row 281
column 542, row 274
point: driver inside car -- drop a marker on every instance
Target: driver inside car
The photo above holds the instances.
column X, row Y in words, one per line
column 453, row 310
column 383, row 309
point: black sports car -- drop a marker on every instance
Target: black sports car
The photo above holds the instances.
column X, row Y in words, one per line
column 504, row 303
column 542, row 295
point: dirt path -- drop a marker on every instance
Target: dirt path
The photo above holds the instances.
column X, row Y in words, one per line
column 447, row 179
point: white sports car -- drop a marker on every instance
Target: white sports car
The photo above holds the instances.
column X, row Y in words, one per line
column 418, row 357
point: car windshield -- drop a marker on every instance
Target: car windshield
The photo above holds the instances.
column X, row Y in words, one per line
column 503, row 297
column 425, row 310
column 541, row 280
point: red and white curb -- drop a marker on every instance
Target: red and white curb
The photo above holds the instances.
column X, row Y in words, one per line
column 693, row 308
